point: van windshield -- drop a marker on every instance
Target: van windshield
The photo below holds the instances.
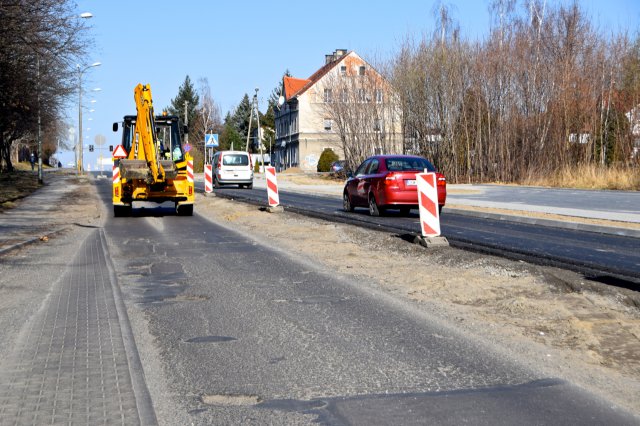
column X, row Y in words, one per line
column 235, row 160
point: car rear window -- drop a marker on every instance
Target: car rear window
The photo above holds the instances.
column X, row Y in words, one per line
column 408, row 165
column 235, row 160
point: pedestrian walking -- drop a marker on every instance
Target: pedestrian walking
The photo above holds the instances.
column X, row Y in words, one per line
column 32, row 158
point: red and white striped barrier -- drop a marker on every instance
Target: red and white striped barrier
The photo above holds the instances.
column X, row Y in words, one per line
column 116, row 174
column 208, row 178
column 190, row 171
column 428, row 201
column 272, row 186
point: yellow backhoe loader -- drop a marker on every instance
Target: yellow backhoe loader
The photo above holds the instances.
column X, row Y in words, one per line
column 157, row 167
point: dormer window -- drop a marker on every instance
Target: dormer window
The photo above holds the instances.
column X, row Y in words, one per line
column 361, row 70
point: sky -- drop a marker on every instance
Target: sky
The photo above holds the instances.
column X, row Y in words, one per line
column 239, row 46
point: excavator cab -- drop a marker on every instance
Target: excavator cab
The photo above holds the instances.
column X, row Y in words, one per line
column 167, row 134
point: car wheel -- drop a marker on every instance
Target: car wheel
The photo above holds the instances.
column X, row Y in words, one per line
column 440, row 206
column 216, row 183
column 346, row 203
column 374, row 210
column 405, row 211
column 249, row 185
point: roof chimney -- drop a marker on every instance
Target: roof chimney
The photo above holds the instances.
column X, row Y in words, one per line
column 328, row 59
column 340, row 53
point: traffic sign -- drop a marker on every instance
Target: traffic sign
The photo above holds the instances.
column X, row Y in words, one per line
column 120, row 152
column 211, row 140
column 187, row 147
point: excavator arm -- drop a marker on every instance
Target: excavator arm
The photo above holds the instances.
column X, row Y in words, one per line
column 144, row 146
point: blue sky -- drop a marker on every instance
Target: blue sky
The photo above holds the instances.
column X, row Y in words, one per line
column 241, row 45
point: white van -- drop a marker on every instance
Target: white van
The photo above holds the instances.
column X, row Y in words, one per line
column 232, row 168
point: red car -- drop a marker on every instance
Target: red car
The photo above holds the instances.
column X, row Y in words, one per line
column 386, row 182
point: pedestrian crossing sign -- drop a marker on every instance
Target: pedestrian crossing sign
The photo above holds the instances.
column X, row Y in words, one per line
column 211, row 140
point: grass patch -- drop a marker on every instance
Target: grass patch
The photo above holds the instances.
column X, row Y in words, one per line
column 590, row 177
column 17, row 184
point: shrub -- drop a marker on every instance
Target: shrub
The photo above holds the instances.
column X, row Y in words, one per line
column 326, row 159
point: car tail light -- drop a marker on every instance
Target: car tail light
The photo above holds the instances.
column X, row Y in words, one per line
column 117, row 191
column 442, row 181
column 390, row 179
column 190, row 190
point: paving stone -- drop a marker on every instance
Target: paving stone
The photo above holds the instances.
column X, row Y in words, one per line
column 71, row 366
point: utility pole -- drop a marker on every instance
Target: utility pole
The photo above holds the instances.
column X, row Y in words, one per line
column 255, row 103
column 254, row 107
column 246, row 148
column 186, row 120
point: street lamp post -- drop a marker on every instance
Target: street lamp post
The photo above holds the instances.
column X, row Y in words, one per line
column 80, row 148
column 85, row 15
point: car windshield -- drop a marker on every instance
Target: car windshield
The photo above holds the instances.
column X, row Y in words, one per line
column 235, row 160
column 408, row 164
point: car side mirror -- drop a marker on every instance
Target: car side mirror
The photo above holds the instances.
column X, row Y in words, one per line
column 115, row 127
column 349, row 174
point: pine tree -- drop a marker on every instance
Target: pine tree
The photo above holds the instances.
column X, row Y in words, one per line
column 240, row 118
column 188, row 93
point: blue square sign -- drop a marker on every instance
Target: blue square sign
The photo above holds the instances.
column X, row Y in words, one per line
column 211, row 140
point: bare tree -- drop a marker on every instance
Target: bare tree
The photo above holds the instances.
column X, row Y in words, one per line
column 40, row 44
column 542, row 93
column 208, row 120
column 364, row 109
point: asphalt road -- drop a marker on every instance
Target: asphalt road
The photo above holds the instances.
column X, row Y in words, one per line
column 606, row 257
column 230, row 331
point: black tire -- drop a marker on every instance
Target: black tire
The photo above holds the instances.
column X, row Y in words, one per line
column 249, row 185
column 440, row 206
column 374, row 209
column 184, row 210
column 404, row 211
column 346, row 203
column 121, row 211
column 216, row 184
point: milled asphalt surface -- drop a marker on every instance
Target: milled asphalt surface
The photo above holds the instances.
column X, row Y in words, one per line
column 75, row 361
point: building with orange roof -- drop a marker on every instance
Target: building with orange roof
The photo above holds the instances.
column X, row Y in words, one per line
column 312, row 114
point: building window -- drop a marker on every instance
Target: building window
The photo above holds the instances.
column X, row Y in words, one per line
column 361, row 95
column 343, row 70
column 361, row 70
column 377, row 125
column 378, row 96
column 344, row 96
column 328, row 124
column 328, row 95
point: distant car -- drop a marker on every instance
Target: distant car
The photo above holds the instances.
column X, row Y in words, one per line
column 232, row 168
column 386, row 182
column 337, row 166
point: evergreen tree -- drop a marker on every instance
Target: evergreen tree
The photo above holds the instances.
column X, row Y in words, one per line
column 268, row 120
column 188, row 93
column 240, row 118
